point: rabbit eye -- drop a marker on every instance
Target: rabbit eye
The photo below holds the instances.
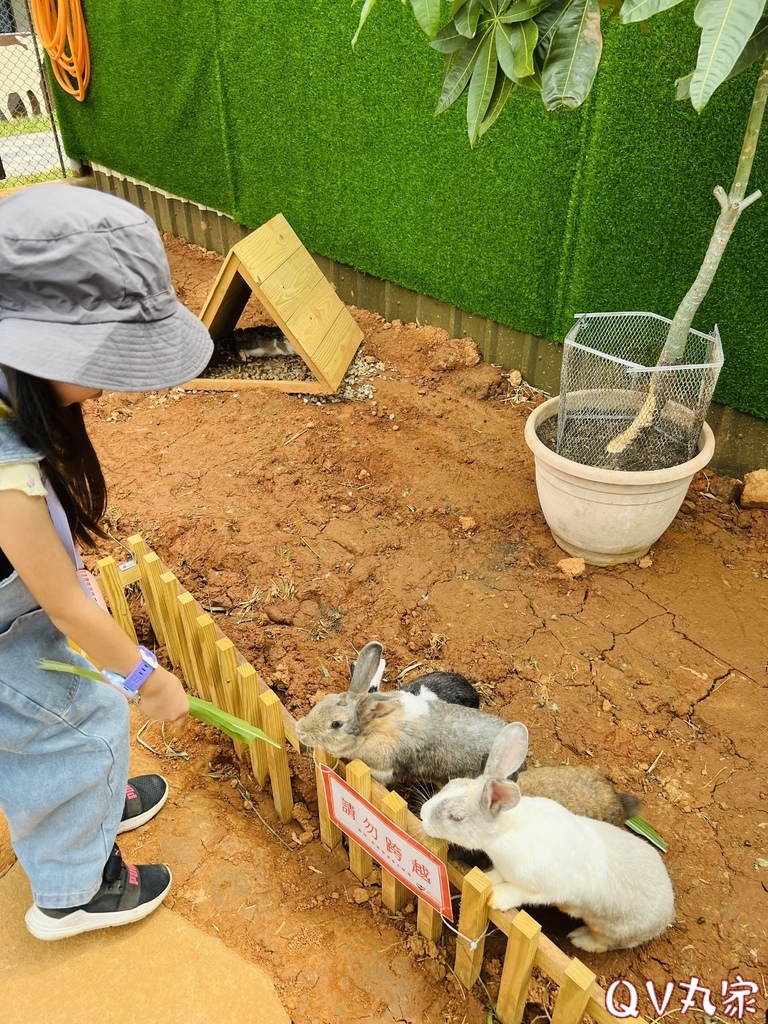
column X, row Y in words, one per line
column 336, row 725
column 457, row 817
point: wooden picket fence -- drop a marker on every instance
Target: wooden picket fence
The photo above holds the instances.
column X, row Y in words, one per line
column 214, row 669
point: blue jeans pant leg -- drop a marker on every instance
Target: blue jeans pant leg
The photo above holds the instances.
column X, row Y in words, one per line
column 64, row 744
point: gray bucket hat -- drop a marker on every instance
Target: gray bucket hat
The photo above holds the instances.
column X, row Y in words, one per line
column 86, row 294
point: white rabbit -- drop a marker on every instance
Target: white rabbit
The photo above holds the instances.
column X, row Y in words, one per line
column 543, row 854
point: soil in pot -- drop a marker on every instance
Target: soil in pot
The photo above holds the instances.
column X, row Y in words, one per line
column 589, row 433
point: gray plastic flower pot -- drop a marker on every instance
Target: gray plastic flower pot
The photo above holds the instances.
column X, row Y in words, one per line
column 607, row 516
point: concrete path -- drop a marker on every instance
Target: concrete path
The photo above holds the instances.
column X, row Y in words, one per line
column 159, row 971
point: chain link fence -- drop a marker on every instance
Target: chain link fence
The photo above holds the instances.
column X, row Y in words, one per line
column 30, row 147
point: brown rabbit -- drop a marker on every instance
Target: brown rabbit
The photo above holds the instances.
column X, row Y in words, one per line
column 583, row 790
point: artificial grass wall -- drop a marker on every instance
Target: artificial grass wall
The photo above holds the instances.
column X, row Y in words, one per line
column 260, row 107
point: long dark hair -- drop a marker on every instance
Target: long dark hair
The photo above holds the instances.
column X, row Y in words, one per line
column 69, row 459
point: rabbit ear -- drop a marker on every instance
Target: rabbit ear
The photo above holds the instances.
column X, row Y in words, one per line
column 368, row 670
column 498, row 795
column 375, row 706
column 508, row 751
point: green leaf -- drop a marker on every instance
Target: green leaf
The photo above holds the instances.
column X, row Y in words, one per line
column 526, row 37
column 501, row 93
column 504, row 50
column 756, row 49
column 726, row 27
column 428, row 15
column 467, row 18
column 450, row 60
column 235, row 728
column 448, row 39
column 459, row 73
column 683, row 87
column 647, row 831
column 573, row 44
column 639, row 10
column 524, row 10
column 481, row 87
column 531, row 82
column 368, row 4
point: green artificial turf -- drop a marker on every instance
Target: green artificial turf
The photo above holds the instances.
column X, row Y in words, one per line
column 260, row 107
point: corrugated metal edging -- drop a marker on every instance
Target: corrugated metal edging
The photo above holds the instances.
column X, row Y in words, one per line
column 742, row 440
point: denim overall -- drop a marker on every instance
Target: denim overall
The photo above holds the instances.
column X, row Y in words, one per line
column 64, row 743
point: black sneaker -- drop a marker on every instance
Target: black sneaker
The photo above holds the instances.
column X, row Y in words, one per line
column 127, row 893
column 144, row 796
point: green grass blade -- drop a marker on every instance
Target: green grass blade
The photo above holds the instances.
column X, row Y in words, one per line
column 647, row 831
column 73, row 670
column 235, row 728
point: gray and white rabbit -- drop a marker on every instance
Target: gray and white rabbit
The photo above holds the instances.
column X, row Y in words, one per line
column 400, row 734
column 543, row 854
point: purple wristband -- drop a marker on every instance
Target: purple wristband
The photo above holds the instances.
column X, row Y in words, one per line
column 147, row 665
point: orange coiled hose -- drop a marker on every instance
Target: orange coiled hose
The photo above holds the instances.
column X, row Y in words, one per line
column 60, row 27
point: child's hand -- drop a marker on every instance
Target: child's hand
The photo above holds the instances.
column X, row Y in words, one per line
column 163, row 697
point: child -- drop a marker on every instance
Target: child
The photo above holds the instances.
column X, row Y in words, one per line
column 86, row 303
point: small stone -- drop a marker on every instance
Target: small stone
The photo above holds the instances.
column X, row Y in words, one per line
column 359, row 895
column 515, row 378
column 572, row 566
column 345, row 508
column 467, row 523
column 305, row 837
column 645, row 562
column 606, row 705
column 755, row 493
column 726, row 488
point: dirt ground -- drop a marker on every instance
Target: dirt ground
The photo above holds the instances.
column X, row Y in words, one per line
column 411, row 517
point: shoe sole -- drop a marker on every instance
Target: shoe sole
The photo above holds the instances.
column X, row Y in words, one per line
column 142, row 819
column 51, row 928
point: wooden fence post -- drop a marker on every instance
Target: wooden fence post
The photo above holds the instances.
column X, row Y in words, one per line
column 139, row 551
column 110, row 580
column 429, row 921
column 575, row 990
column 330, row 833
column 359, row 778
column 522, row 944
column 279, row 773
column 248, row 681
column 206, row 631
column 189, row 630
column 473, row 921
column 394, row 894
column 226, row 654
column 168, row 592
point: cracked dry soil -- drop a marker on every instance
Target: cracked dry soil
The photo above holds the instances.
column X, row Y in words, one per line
column 412, row 518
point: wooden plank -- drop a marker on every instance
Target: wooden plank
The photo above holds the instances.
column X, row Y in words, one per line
column 248, row 683
column 139, row 549
column 206, row 631
column 226, row 655
column 265, row 249
column 279, row 773
column 287, row 287
column 572, row 999
column 313, row 319
column 151, row 570
column 337, row 348
column 113, row 588
column 226, row 301
column 394, row 894
column 189, row 629
column 294, row 387
column 523, row 941
column 359, row 778
column 330, row 833
column 428, row 921
column 169, row 592
column 473, row 923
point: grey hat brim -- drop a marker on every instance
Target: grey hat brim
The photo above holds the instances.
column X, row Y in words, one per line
column 115, row 356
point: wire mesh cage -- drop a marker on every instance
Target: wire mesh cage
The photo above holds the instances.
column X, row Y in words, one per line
column 30, row 148
column 618, row 408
